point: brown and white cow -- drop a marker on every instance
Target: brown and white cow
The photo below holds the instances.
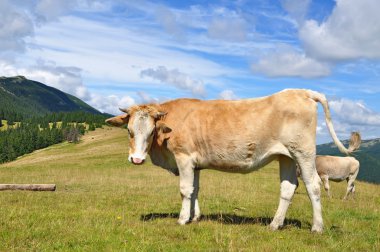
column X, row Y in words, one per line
column 185, row 136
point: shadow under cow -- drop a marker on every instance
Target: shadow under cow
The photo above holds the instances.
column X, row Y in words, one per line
column 231, row 219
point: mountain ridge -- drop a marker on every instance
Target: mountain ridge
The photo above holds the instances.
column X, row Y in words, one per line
column 23, row 97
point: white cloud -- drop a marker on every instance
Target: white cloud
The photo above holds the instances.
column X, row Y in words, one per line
column 176, row 78
column 229, row 29
column 227, row 95
column 169, row 21
column 354, row 112
column 297, row 9
column 287, row 62
column 320, row 129
column 146, row 98
column 226, row 24
column 50, row 10
column 18, row 21
column 351, row 32
column 15, row 25
column 117, row 54
column 111, row 103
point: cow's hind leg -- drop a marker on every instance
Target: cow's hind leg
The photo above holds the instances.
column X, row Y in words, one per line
column 289, row 183
column 326, row 185
column 350, row 184
column 186, row 184
column 312, row 182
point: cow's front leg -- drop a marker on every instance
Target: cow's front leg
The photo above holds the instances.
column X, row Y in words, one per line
column 195, row 210
column 186, row 182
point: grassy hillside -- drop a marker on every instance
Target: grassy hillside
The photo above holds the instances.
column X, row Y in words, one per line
column 368, row 156
column 24, row 97
column 103, row 203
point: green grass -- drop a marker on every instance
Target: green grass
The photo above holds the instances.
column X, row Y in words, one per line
column 103, row 203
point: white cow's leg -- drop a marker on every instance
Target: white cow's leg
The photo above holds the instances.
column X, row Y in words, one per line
column 312, row 183
column 353, row 191
column 196, row 212
column 288, row 185
column 350, row 184
column 186, row 182
column 326, row 185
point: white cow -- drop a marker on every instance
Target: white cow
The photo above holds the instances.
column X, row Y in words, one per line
column 338, row 169
column 185, row 136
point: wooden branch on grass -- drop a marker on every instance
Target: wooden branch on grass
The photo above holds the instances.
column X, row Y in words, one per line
column 28, row 187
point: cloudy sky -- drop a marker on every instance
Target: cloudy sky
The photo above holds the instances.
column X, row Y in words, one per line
column 114, row 53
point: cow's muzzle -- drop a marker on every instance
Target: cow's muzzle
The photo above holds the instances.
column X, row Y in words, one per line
column 137, row 161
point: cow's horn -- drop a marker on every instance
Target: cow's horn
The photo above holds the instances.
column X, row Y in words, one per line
column 124, row 110
column 159, row 114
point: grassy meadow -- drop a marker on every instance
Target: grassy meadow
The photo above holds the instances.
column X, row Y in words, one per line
column 5, row 125
column 103, row 203
column 59, row 124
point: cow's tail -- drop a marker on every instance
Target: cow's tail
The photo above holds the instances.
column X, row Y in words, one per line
column 355, row 136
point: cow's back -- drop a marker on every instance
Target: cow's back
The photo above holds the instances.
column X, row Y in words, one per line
column 336, row 168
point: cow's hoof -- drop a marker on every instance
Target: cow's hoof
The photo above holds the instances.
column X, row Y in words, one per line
column 196, row 218
column 317, row 229
column 183, row 221
column 274, row 226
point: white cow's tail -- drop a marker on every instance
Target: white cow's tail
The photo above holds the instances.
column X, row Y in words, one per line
column 355, row 137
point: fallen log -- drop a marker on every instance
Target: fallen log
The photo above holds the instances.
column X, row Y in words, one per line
column 28, row 187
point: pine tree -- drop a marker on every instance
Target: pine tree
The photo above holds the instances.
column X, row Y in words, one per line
column 82, row 129
column 91, row 127
column 10, row 122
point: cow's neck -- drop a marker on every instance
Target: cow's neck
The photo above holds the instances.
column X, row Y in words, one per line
column 161, row 156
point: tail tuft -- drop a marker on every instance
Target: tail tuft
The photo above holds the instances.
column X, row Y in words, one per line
column 355, row 142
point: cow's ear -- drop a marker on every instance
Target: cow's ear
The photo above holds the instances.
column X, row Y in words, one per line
column 163, row 132
column 118, row 121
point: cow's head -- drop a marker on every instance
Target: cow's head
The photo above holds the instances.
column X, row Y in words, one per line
column 144, row 126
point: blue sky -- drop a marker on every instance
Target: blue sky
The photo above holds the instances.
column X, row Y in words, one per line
column 115, row 53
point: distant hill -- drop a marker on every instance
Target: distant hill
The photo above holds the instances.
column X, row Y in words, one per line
column 24, row 98
column 368, row 156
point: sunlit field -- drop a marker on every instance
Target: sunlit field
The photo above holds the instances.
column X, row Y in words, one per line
column 103, row 203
